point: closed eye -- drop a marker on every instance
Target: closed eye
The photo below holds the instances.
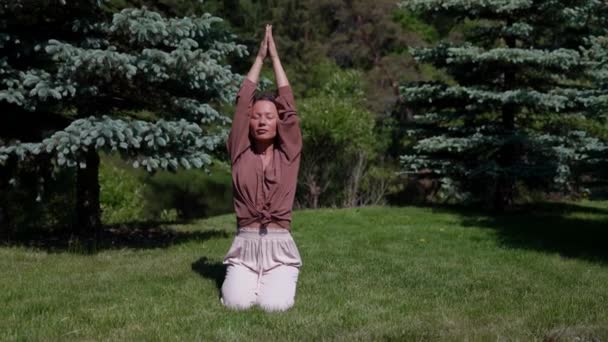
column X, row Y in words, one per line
column 267, row 115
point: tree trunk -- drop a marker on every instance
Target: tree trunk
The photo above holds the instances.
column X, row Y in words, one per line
column 5, row 220
column 5, row 230
column 314, row 191
column 503, row 194
column 353, row 182
column 88, row 216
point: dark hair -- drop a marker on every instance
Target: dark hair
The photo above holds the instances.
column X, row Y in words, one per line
column 265, row 96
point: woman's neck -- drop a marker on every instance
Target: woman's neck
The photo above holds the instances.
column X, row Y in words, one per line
column 264, row 147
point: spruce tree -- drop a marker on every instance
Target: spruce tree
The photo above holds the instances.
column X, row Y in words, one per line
column 77, row 80
column 522, row 88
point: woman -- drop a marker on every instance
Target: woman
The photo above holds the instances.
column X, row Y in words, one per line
column 264, row 144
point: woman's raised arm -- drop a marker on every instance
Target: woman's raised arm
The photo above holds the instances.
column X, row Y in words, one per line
column 279, row 73
column 288, row 125
column 254, row 73
column 238, row 139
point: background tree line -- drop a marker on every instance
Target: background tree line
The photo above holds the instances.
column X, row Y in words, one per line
column 400, row 102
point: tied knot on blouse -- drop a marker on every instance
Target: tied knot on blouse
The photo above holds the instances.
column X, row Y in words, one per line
column 265, row 216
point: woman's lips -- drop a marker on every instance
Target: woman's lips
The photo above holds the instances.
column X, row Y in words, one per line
column 261, row 131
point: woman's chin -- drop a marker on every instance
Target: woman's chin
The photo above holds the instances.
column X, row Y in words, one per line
column 264, row 139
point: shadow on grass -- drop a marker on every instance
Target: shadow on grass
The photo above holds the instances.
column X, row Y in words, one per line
column 211, row 269
column 134, row 235
column 546, row 227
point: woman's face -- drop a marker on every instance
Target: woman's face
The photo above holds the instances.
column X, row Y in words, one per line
column 263, row 121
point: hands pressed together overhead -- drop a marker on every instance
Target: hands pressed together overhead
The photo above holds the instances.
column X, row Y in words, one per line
column 268, row 48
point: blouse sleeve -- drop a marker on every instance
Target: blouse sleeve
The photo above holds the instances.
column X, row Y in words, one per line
column 288, row 125
column 238, row 139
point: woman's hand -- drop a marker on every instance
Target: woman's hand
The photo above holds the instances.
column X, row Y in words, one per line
column 254, row 72
column 263, row 52
column 272, row 48
column 279, row 73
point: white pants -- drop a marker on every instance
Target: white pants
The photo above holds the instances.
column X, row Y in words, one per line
column 263, row 265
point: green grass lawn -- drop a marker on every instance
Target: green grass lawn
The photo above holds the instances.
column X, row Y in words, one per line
column 373, row 273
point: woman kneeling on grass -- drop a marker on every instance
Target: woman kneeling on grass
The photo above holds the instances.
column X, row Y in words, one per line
column 264, row 144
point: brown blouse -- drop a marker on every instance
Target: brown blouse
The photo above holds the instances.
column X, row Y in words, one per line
column 264, row 195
